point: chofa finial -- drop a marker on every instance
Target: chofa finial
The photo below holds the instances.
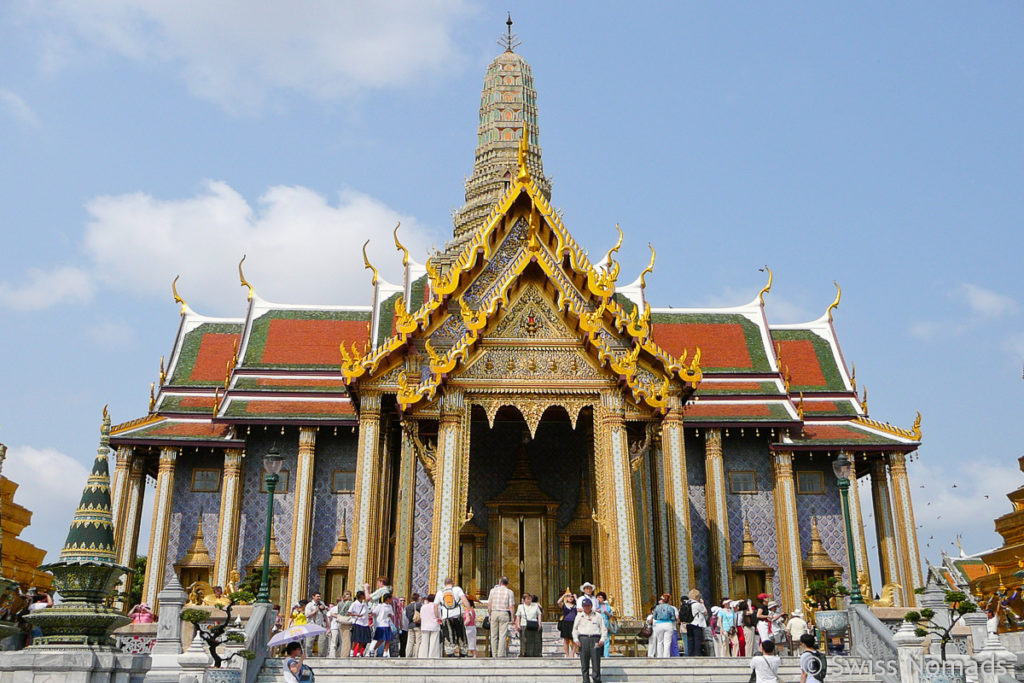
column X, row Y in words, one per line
column 768, row 287
column 648, row 269
column 369, row 266
column 177, row 297
column 241, row 277
column 401, row 247
column 835, row 304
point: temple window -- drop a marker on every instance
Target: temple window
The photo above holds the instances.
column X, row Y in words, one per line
column 810, row 483
column 344, row 480
column 283, row 482
column 205, row 480
column 743, row 481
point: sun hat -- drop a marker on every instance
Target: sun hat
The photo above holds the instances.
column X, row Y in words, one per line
column 585, row 584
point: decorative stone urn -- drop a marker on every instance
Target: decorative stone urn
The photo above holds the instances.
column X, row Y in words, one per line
column 833, row 621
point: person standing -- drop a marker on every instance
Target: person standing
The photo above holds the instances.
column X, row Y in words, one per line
column 586, row 591
column 726, row 628
column 344, row 624
column 602, row 607
column 383, row 633
column 412, row 618
column 589, row 633
column 469, row 619
column 451, row 604
column 569, row 610
column 812, row 662
column 796, row 627
column 666, row 616
column 333, row 631
column 359, row 610
column 527, row 625
column 430, row 630
column 695, row 627
column 766, row 664
column 499, row 610
column 316, row 613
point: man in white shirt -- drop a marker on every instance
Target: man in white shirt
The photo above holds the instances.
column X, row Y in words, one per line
column 766, row 664
column 316, row 613
column 500, row 603
column 589, row 633
column 795, row 628
column 810, row 660
column 451, row 602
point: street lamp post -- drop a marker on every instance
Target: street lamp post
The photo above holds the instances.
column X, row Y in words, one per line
column 272, row 467
column 843, row 468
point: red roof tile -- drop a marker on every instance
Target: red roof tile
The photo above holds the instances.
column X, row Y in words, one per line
column 722, row 345
column 189, row 429
column 835, row 433
column 303, row 407
column 215, row 352
column 310, row 342
column 296, row 383
column 711, row 409
column 802, row 360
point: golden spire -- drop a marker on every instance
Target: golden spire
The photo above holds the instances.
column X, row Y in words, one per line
column 152, row 396
column 241, row 277
column 817, row 556
column 398, row 245
column 800, row 407
column 197, row 555
column 524, row 145
column 648, row 269
column 853, row 378
column 163, row 372
column 864, row 401
column 369, row 266
column 177, row 297
column 768, row 287
column 835, row 304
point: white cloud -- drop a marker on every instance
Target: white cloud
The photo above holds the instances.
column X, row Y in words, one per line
column 986, row 303
column 111, row 333
column 42, row 289
column 15, row 107
column 50, row 484
column 235, row 52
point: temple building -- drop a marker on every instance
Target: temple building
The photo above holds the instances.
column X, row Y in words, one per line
column 19, row 559
column 511, row 407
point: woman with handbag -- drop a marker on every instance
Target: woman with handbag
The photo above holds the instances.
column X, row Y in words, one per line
column 568, row 604
column 527, row 625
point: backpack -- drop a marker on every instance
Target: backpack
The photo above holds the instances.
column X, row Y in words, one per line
column 750, row 620
column 822, row 666
column 686, row 611
column 448, row 602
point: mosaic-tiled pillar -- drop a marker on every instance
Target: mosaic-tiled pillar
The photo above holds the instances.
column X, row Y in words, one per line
column 906, row 536
column 367, row 472
column 619, row 509
column 155, row 565
column 230, row 512
column 406, row 513
column 718, row 516
column 860, row 543
column 119, row 487
column 129, row 522
column 450, row 475
column 787, row 532
column 302, row 517
column 676, row 501
column 888, row 554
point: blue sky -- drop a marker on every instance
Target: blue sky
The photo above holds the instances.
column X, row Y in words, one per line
column 876, row 144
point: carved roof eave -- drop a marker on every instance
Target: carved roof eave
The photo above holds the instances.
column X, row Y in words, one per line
column 606, row 314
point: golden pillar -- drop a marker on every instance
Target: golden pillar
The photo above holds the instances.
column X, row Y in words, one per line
column 406, row 513
column 860, row 543
column 302, row 516
column 129, row 523
column 364, row 515
column 787, row 532
column 718, row 515
column 676, row 505
column 906, row 534
column 618, row 514
column 230, row 512
column 451, row 472
column 119, row 487
column 157, row 560
column 888, row 553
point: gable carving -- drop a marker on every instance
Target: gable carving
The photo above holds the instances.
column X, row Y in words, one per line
column 531, row 317
column 531, row 363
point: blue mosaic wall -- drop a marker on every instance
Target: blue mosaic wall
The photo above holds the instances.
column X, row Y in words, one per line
column 827, row 507
column 333, row 452
column 186, row 506
column 254, row 503
column 422, row 526
column 751, row 453
column 698, row 511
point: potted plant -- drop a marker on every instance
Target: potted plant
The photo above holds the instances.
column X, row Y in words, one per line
column 957, row 605
column 823, row 597
column 215, row 635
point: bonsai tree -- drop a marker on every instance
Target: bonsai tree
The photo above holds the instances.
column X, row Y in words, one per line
column 215, row 635
column 824, row 595
column 957, row 603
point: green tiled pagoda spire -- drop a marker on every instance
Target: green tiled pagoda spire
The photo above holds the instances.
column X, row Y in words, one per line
column 86, row 574
column 91, row 537
column 507, row 103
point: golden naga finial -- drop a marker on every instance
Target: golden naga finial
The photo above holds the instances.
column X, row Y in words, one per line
column 177, row 297
column 800, row 407
column 835, row 304
column 106, row 413
column 916, row 429
column 648, row 269
column 369, row 266
column 524, row 145
column 152, row 396
column 400, row 247
column 163, row 372
column 864, row 400
column 768, row 287
column 853, row 378
column 241, row 278
column 618, row 245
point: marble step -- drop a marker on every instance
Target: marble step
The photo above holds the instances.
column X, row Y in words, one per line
column 557, row 670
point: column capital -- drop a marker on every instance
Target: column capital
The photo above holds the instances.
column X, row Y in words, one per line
column 713, row 443
column 612, row 403
column 453, row 402
column 783, row 461
column 898, row 461
column 124, row 455
column 138, row 468
column 168, row 455
column 369, row 404
column 307, row 437
column 878, row 466
column 233, row 458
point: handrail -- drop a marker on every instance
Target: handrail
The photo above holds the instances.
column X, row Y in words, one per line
column 258, row 631
column 873, row 642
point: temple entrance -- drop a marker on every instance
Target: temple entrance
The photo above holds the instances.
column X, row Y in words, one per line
column 530, row 503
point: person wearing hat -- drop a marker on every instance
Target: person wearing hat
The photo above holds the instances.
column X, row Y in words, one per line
column 796, row 627
column 589, row 633
column 765, row 618
column 586, row 591
column 726, row 628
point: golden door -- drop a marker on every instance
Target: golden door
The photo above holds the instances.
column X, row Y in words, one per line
column 521, row 553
